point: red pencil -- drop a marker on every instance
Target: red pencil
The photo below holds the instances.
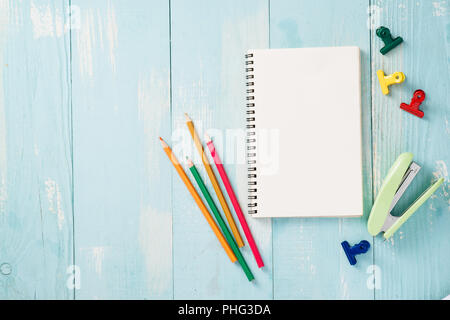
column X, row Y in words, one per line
column 234, row 201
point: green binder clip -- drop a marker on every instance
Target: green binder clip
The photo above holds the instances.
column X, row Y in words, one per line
column 389, row 42
column 394, row 185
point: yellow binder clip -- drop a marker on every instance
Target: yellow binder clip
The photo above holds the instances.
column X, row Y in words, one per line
column 386, row 81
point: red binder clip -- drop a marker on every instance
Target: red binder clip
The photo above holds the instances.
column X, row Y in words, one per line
column 416, row 101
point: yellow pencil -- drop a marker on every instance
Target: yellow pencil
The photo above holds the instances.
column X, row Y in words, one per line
column 198, row 200
column 215, row 183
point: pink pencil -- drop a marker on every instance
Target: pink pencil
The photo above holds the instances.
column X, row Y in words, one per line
column 234, row 201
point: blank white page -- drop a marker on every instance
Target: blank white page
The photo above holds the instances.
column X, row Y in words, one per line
column 308, row 132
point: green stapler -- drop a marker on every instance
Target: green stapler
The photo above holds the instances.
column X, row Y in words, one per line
column 394, row 185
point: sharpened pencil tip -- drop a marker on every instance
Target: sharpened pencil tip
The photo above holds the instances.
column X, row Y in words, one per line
column 163, row 143
column 189, row 162
column 187, row 117
column 207, row 138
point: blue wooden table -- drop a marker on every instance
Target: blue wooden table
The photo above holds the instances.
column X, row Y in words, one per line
column 90, row 207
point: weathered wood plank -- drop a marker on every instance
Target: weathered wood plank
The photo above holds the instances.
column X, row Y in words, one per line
column 122, row 179
column 309, row 262
column 125, row 190
column 209, row 41
column 414, row 262
column 36, row 245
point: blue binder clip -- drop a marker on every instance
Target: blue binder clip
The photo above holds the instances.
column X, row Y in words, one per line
column 351, row 252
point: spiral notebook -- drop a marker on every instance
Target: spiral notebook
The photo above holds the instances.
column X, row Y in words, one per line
column 304, row 132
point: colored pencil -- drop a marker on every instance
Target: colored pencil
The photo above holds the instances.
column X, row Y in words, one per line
column 214, row 182
column 234, row 201
column 198, row 200
column 219, row 219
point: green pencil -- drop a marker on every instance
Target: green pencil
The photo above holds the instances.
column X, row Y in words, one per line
column 220, row 221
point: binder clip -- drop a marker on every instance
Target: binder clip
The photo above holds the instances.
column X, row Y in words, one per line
column 351, row 252
column 386, row 81
column 389, row 42
column 394, row 185
column 416, row 101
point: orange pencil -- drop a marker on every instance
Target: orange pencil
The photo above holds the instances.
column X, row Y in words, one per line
column 198, row 200
column 214, row 182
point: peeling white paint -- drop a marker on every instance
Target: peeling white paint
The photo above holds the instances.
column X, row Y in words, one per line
column 344, row 288
column 100, row 30
column 441, row 170
column 97, row 31
column 439, row 9
column 46, row 23
column 95, row 256
column 443, row 191
column 432, row 208
column 98, row 254
column 42, row 20
column 391, row 240
column 84, row 42
column 312, row 269
column 156, row 244
column 55, row 201
column 111, row 34
column 59, row 23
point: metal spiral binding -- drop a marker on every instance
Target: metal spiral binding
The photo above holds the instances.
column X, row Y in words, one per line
column 251, row 135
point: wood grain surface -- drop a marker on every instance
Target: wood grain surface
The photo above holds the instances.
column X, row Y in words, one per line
column 90, row 208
